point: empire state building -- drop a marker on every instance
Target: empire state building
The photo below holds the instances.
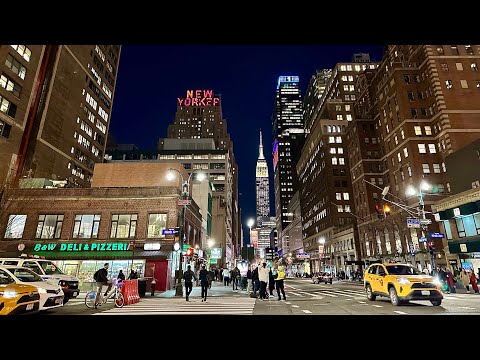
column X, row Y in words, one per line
column 263, row 201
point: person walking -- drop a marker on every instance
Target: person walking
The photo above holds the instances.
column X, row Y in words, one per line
column 101, row 278
column 249, row 279
column 256, row 281
column 450, row 281
column 133, row 275
column 188, row 276
column 465, row 277
column 226, row 277
column 203, row 277
column 121, row 276
column 473, row 281
column 235, row 278
column 263, row 277
column 279, row 283
column 271, row 281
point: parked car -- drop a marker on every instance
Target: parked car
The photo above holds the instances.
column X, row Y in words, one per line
column 51, row 296
column 401, row 283
column 49, row 271
column 17, row 298
column 322, row 277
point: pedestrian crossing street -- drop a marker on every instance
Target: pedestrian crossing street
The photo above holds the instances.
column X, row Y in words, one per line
column 324, row 292
column 178, row 306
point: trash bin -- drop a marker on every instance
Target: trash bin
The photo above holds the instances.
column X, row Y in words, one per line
column 142, row 287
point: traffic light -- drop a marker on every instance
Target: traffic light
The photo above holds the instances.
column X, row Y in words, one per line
column 189, row 252
column 431, row 247
column 386, row 210
column 378, row 209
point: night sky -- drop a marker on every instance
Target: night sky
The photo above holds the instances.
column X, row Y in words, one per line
column 150, row 78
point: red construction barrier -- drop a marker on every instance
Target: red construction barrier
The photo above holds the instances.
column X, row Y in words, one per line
column 130, row 291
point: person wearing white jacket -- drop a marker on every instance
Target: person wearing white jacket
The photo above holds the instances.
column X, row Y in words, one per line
column 263, row 278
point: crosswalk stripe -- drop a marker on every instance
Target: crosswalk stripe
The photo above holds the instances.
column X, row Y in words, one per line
column 326, row 293
column 312, row 294
column 294, row 293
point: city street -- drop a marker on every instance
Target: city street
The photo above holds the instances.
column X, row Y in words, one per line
column 303, row 298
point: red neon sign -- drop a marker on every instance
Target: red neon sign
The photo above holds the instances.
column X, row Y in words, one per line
column 199, row 98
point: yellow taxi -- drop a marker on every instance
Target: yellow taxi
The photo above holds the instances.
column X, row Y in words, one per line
column 401, row 283
column 18, row 298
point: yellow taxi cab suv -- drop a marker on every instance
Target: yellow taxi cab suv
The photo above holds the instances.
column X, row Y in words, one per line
column 18, row 298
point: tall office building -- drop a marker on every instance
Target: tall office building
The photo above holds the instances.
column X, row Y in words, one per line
column 316, row 87
column 263, row 199
column 288, row 138
column 55, row 108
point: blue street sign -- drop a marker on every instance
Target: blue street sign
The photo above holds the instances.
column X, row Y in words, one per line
column 413, row 223
column 437, row 235
column 423, row 239
column 171, row 231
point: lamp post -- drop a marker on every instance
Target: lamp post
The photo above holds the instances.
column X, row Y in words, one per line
column 411, row 191
column 250, row 223
column 210, row 244
column 185, row 195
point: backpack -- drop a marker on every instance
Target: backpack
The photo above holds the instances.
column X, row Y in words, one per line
column 95, row 275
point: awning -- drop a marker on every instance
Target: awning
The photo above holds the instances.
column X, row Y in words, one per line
column 110, row 255
column 463, row 247
column 466, row 209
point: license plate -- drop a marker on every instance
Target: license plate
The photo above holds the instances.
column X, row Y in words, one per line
column 58, row 300
column 29, row 307
column 425, row 292
column 75, row 293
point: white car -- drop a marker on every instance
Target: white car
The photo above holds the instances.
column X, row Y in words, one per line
column 51, row 296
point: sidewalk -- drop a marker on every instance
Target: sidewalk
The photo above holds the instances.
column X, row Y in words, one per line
column 217, row 290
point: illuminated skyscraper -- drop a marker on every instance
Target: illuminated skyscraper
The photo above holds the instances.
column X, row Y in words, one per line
column 263, row 199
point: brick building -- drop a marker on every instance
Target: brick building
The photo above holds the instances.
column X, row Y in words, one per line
column 77, row 224
column 56, row 103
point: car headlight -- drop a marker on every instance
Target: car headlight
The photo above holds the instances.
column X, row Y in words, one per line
column 9, row 294
column 403, row 281
column 42, row 291
column 62, row 283
column 437, row 282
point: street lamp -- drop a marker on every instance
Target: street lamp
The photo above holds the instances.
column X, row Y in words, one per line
column 185, row 195
column 210, row 242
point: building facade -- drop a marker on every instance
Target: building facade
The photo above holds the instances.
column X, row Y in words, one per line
column 262, row 185
column 56, row 103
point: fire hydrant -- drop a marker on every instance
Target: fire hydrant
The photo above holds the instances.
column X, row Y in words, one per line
column 153, row 287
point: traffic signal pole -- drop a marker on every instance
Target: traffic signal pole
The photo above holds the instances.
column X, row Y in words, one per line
column 425, row 229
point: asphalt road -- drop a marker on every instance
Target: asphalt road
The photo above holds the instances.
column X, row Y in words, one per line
column 303, row 298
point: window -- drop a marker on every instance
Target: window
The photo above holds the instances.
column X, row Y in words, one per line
column 339, row 208
column 5, row 129
column 418, row 130
column 374, row 140
column 49, row 226
column 345, row 87
column 399, row 157
column 8, row 84
column 347, row 107
column 449, row 84
column 338, row 196
column 338, row 140
column 468, row 49
column 477, row 82
column 8, row 108
column 410, row 96
column 468, row 225
column 91, row 101
column 346, row 196
column 349, row 117
column 464, row 84
column 23, row 50
column 86, row 226
column 414, row 113
column 409, row 171
column 402, row 133
column 156, row 223
column 440, row 50
column 124, row 226
column 352, row 87
column 444, row 168
column 339, row 117
column 341, row 161
column 103, row 114
column 426, row 169
column 421, row 149
column 431, row 148
column 367, row 140
column 373, row 181
column 333, row 150
column 406, row 78
column 441, row 188
column 331, row 139
column 343, row 68
column 15, row 226
column 405, row 153
column 436, row 168
column 428, row 130
column 334, row 160
column 459, row 66
column 349, row 67
column 454, row 49
column 474, row 67
column 340, row 150
column 444, row 67
column 16, row 67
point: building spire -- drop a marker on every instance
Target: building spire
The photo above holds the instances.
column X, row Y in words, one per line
column 260, row 148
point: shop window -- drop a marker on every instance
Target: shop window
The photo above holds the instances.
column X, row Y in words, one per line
column 468, row 226
column 86, row 226
column 448, row 229
column 15, row 226
column 124, row 226
column 156, row 223
column 49, row 226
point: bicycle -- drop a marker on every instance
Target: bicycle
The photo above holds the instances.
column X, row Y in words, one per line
column 115, row 294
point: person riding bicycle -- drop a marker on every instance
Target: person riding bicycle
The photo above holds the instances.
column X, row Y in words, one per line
column 101, row 278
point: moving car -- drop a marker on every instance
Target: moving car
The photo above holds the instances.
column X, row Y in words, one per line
column 17, row 298
column 325, row 277
column 401, row 283
column 51, row 296
column 49, row 271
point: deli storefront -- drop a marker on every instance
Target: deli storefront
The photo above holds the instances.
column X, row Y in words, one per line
column 466, row 254
column 83, row 259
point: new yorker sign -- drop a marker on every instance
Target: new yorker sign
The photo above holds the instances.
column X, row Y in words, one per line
column 199, row 98
column 83, row 247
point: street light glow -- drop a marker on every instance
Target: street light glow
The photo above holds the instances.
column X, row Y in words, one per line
column 176, row 246
column 410, row 191
column 425, row 186
column 250, row 222
column 210, row 242
column 170, row 175
column 321, row 240
column 201, row 176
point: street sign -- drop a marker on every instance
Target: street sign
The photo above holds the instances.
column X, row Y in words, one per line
column 437, row 235
column 184, row 202
column 413, row 223
column 170, row 231
column 422, row 240
column 425, row 221
column 216, row 253
column 412, row 248
column 213, row 261
column 302, row 256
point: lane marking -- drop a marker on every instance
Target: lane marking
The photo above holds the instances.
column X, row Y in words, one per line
column 294, row 293
column 400, row 312
column 328, row 294
column 466, row 308
column 288, row 303
column 319, row 304
column 362, row 302
column 377, row 306
column 311, row 294
column 307, row 311
column 295, row 306
column 348, row 299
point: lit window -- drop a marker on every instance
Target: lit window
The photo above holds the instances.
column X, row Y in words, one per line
column 347, row 208
column 339, row 117
column 428, row 130
column 474, row 67
column 352, row 88
column 346, row 196
column 405, row 153
column 341, row 161
column 459, row 66
column 421, row 149
column 444, row 167
column 333, row 150
column 345, row 87
column 15, row 226
column 340, row 150
column 399, row 157
column 334, row 161
column 449, row 84
column 15, row 66
column 468, row 49
column 367, row 140
column 388, row 130
column 331, row 139
column 339, row 208
column 436, row 168
column 396, row 139
column 431, row 148
column 338, row 196
column 464, row 84
column 349, row 117
column 418, row 130
column 343, row 68
column 402, row 133
column 426, row 169
column 338, row 139
column 344, row 78
column 409, row 171
column 358, row 68
column 8, row 84
column 347, row 107
column 23, row 50
column 350, row 77
column 373, row 181
column 349, row 67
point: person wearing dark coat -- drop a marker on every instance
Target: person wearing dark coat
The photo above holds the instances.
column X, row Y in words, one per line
column 271, row 281
column 203, row 277
column 121, row 276
column 249, row 278
column 133, row 275
column 256, row 281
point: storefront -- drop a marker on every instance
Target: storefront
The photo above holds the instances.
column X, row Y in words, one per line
column 465, row 254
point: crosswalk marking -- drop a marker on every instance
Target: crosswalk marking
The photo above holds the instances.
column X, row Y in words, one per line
column 294, row 293
column 312, row 294
column 295, row 306
column 328, row 294
column 377, row 306
column 307, row 311
column 400, row 312
column 160, row 306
